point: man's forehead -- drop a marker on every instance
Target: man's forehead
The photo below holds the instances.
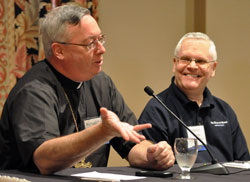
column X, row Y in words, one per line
column 198, row 48
column 90, row 26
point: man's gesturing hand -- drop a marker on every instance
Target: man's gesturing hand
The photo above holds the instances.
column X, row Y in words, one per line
column 114, row 127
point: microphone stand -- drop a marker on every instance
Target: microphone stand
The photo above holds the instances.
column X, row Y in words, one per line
column 215, row 167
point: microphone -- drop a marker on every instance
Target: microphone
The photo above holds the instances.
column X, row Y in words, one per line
column 215, row 167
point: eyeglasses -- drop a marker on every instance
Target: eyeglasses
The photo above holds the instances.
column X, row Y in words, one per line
column 91, row 45
column 188, row 60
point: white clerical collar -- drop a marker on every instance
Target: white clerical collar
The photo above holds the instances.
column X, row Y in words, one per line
column 79, row 86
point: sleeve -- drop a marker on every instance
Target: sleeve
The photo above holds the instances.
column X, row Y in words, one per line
column 124, row 113
column 106, row 95
column 120, row 107
column 32, row 119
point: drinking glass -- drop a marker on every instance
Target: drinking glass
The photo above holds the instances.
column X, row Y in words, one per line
column 186, row 150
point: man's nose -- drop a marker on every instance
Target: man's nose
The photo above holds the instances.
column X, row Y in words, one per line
column 193, row 63
column 100, row 47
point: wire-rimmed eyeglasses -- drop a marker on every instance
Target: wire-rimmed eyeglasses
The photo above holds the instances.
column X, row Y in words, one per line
column 90, row 46
column 187, row 60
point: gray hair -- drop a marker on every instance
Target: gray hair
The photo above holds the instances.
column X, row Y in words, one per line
column 53, row 27
column 197, row 35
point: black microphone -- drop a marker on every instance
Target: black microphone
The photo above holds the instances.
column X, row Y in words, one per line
column 215, row 167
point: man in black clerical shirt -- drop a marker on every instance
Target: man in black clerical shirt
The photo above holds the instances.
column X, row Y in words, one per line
column 66, row 112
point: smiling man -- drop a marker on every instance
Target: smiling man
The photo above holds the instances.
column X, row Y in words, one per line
column 211, row 118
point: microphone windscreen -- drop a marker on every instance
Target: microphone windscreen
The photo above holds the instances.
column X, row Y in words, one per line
column 149, row 91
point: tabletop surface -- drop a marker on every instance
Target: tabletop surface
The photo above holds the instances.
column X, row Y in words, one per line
column 65, row 175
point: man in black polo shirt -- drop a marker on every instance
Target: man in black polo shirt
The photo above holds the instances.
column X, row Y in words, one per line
column 188, row 97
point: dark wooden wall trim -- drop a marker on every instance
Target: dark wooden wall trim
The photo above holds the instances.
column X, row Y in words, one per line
column 196, row 16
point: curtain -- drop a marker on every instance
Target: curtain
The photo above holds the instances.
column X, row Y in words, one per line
column 20, row 43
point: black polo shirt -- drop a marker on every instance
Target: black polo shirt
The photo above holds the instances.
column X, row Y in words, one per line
column 223, row 133
column 37, row 110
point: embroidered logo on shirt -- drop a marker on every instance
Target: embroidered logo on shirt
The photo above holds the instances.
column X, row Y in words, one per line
column 218, row 123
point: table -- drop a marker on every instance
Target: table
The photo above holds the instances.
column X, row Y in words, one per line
column 64, row 175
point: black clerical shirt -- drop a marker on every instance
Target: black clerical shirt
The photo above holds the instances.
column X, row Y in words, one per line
column 37, row 110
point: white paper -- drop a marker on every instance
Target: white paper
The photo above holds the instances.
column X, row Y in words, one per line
column 106, row 176
column 238, row 164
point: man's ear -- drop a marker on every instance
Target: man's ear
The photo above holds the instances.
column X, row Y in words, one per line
column 57, row 50
column 174, row 64
column 214, row 68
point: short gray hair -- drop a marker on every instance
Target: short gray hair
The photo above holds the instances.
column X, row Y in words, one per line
column 53, row 27
column 197, row 35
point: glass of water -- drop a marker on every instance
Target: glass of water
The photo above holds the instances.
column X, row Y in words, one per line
column 186, row 150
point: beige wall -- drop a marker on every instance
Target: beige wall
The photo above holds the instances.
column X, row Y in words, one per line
column 141, row 37
column 228, row 23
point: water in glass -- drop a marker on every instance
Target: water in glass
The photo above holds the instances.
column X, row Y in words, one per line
column 185, row 153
